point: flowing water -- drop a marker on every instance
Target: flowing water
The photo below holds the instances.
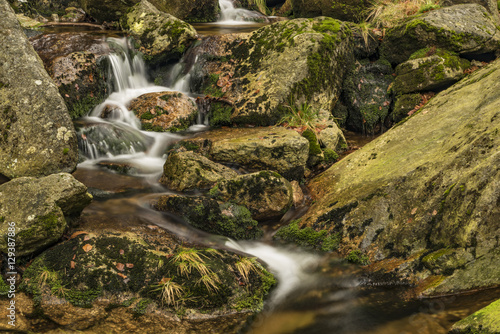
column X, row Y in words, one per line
column 315, row 294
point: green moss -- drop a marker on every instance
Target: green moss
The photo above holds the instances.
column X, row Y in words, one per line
column 357, row 257
column 4, row 288
column 65, row 150
column 210, row 88
column 314, row 148
column 308, row 237
column 147, row 116
column 140, row 308
column 220, row 114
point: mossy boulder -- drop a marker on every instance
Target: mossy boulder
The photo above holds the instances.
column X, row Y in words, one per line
column 189, row 170
column 332, row 138
column 276, row 148
column 491, row 5
column 227, row 219
column 193, row 11
column 40, row 209
column 98, row 282
column 286, row 63
column 428, row 184
column 345, row 10
column 165, row 111
column 484, row 321
column 403, row 105
column 37, row 136
column 366, row 95
column 78, row 65
column 465, row 29
column 429, row 73
column 266, row 194
column 161, row 35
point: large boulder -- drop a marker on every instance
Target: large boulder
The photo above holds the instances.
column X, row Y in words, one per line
column 165, row 111
column 422, row 199
column 39, row 210
column 161, row 35
column 486, row 320
column 465, row 29
column 490, row 5
column 77, row 64
column 37, row 136
column 189, row 170
column 122, row 282
column 345, row 10
column 227, row 219
column 266, row 194
column 289, row 64
column 435, row 71
column 276, row 148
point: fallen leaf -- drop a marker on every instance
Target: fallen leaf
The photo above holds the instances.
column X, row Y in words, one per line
column 87, row 247
column 74, row 235
column 120, row 266
column 121, row 275
column 74, row 256
column 72, row 264
column 85, row 238
column 122, row 252
column 129, row 265
column 414, row 211
column 434, row 212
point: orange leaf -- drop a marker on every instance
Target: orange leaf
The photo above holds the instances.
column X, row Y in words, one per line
column 122, row 252
column 121, row 275
column 414, row 211
column 120, row 266
column 129, row 265
column 87, row 247
column 74, row 256
column 85, row 238
column 74, row 235
column 72, row 264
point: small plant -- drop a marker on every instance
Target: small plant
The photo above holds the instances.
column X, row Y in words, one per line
column 357, row 257
column 300, row 117
column 170, row 291
column 210, row 281
column 389, row 13
column 188, row 259
column 245, row 266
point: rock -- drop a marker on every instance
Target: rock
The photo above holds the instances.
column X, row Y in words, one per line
column 434, row 72
column 486, row 320
column 23, row 306
column 332, row 138
column 366, row 95
column 74, row 15
column 36, row 134
column 298, row 195
column 194, row 11
column 345, row 10
column 490, row 5
column 266, row 194
column 275, row 148
column 39, row 209
column 428, row 183
column 120, row 282
column 165, row 111
column 161, row 36
column 289, row 64
column 465, row 29
column 188, row 170
column 403, row 105
column 227, row 219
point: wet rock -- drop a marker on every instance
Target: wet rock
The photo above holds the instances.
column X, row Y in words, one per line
column 266, row 194
column 123, row 282
column 429, row 183
column 227, row 219
column 289, row 64
column 465, row 29
column 165, row 111
column 188, row 170
column 275, row 148
column 39, row 209
column 345, row 10
column 77, row 64
column 36, row 134
column 332, row 138
column 366, row 95
column 486, row 320
column 424, row 73
column 298, row 195
column 161, row 36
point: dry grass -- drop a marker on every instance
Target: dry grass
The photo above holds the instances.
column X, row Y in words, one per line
column 245, row 266
column 170, row 291
column 389, row 13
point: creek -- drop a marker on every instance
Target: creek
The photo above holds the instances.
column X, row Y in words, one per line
column 315, row 294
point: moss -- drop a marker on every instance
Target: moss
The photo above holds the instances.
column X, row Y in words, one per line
column 65, row 150
column 314, row 148
column 210, row 87
column 308, row 237
column 357, row 257
column 220, row 114
column 140, row 307
column 4, row 288
column 147, row 116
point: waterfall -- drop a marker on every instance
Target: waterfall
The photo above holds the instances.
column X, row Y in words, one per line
column 232, row 15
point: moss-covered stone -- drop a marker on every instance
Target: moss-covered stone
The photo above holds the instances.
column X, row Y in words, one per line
column 465, row 29
column 228, row 219
column 345, row 10
column 188, row 170
column 403, row 105
column 266, row 194
column 484, row 321
column 308, row 237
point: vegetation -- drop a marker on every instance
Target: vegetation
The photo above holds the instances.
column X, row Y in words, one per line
column 308, row 237
column 303, row 117
column 389, row 13
column 357, row 257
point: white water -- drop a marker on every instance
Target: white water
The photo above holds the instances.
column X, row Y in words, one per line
column 146, row 149
column 236, row 16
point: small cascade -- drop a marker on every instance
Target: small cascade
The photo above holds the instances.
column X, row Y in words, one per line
column 232, row 15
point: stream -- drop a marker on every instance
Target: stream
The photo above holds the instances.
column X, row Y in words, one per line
column 315, row 294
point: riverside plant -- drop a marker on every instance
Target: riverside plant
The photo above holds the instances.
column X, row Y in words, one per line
column 303, row 117
column 245, row 266
column 389, row 13
column 170, row 291
column 188, row 259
